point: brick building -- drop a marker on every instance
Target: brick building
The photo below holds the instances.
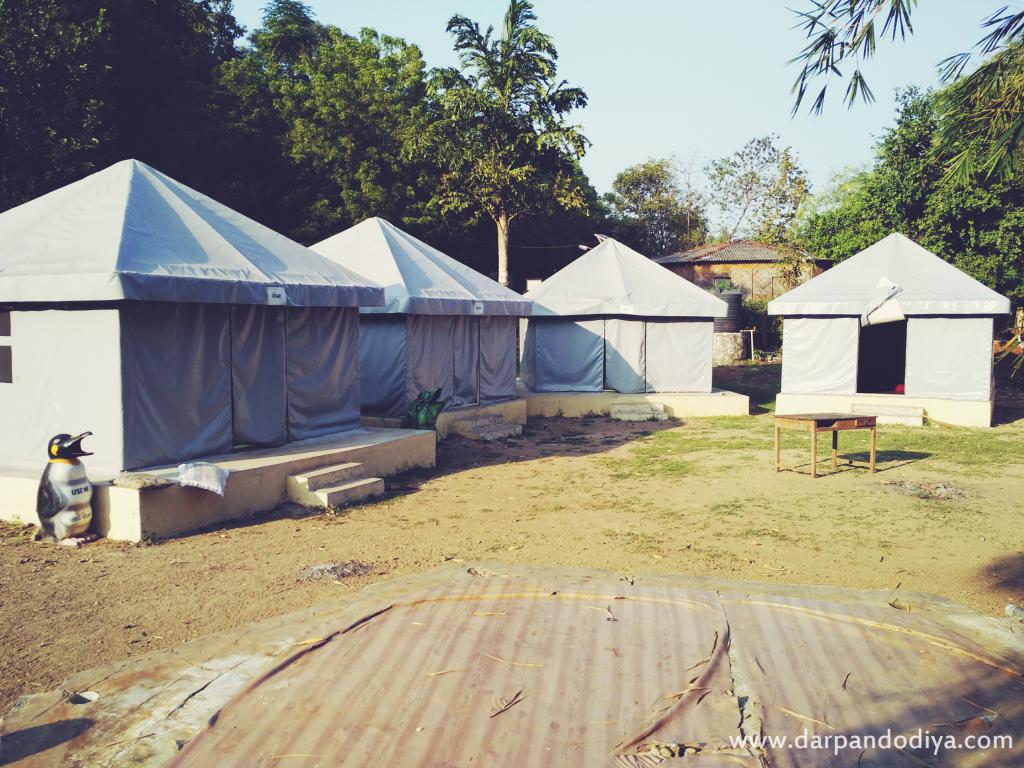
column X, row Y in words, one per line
column 757, row 269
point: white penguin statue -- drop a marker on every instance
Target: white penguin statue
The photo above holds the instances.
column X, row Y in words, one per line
column 64, row 501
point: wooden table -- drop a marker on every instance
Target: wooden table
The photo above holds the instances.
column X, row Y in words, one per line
column 825, row 422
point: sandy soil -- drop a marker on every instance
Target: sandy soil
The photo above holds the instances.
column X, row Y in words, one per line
column 944, row 516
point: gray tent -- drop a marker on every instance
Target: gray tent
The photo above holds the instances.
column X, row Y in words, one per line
column 168, row 325
column 614, row 319
column 443, row 324
column 894, row 318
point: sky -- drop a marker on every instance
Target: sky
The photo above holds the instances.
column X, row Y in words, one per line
column 690, row 79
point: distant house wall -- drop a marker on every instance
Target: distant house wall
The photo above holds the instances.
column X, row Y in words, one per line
column 757, row 280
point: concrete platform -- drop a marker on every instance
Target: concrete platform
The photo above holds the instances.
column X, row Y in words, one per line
column 459, row 421
column 960, row 413
column 677, row 405
column 407, row 672
column 258, row 482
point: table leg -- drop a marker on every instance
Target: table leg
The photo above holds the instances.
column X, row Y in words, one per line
column 777, row 449
column 814, row 452
column 874, row 432
column 835, row 449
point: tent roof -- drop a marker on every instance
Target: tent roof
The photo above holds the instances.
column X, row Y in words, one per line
column 928, row 285
column 613, row 279
column 417, row 278
column 130, row 232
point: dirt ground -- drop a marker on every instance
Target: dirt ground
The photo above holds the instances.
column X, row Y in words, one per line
column 942, row 516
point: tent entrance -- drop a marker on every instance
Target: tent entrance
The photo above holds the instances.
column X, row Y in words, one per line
column 882, row 358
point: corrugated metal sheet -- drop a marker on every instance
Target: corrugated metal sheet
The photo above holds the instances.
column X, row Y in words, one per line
column 524, row 669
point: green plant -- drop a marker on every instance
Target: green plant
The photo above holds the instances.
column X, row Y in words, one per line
column 422, row 412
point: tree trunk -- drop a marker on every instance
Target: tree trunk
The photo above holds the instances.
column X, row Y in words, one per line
column 502, row 222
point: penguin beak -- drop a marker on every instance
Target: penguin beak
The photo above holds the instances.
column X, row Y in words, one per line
column 72, row 446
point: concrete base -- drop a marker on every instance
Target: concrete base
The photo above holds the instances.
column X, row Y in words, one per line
column 718, row 402
column 455, row 421
column 961, row 413
column 257, row 483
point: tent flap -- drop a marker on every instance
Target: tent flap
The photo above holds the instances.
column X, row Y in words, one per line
column 323, row 371
column 624, row 355
column 176, row 382
column 679, row 355
column 497, row 358
column 569, row 355
column 430, row 350
column 382, row 364
column 820, row 355
column 465, row 360
column 258, row 380
column 949, row 357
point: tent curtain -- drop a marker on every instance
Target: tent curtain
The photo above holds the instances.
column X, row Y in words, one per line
column 465, row 360
column 382, row 364
column 569, row 355
column 949, row 357
column 323, row 370
column 176, row 382
column 430, row 348
column 258, row 380
column 820, row 355
column 497, row 358
column 624, row 355
column 679, row 355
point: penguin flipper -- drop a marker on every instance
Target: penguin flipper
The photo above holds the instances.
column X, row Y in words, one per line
column 48, row 504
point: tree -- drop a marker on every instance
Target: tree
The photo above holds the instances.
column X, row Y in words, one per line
column 982, row 113
column 502, row 141
column 651, row 209
column 976, row 225
column 49, row 108
column 758, row 190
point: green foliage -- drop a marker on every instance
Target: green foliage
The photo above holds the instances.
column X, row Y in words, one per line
column 503, row 142
column 982, row 113
column 651, row 209
column 758, row 190
column 422, row 412
column 975, row 225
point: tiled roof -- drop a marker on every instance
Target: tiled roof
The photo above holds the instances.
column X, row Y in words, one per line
column 733, row 251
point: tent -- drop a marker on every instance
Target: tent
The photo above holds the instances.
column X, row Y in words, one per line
column 168, row 325
column 893, row 319
column 442, row 325
column 614, row 319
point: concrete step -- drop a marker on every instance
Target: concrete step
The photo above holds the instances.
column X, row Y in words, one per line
column 495, row 431
column 474, row 422
column 908, row 415
column 349, row 493
column 637, row 411
column 323, row 477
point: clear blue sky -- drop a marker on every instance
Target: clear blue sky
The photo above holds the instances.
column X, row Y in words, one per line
column 689, row 78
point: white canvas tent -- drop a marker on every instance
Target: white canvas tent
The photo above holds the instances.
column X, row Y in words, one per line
column 933, row 324
column 614, row 319
column 442, row 325
column 168, row 325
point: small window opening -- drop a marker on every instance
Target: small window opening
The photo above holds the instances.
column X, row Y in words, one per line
column 6, row 372
column 882, row 358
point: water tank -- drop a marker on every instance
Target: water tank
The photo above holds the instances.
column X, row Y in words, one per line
column 731, row 322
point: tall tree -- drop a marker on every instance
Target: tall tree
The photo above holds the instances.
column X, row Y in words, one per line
column 653, row 210
column 503, row 140
column 976, row 225
column 758, row 190
column 982, row 114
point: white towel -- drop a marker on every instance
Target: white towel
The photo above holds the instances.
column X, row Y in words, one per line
column 201, row 474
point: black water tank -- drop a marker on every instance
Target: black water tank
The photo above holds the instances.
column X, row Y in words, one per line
column 731, row 322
